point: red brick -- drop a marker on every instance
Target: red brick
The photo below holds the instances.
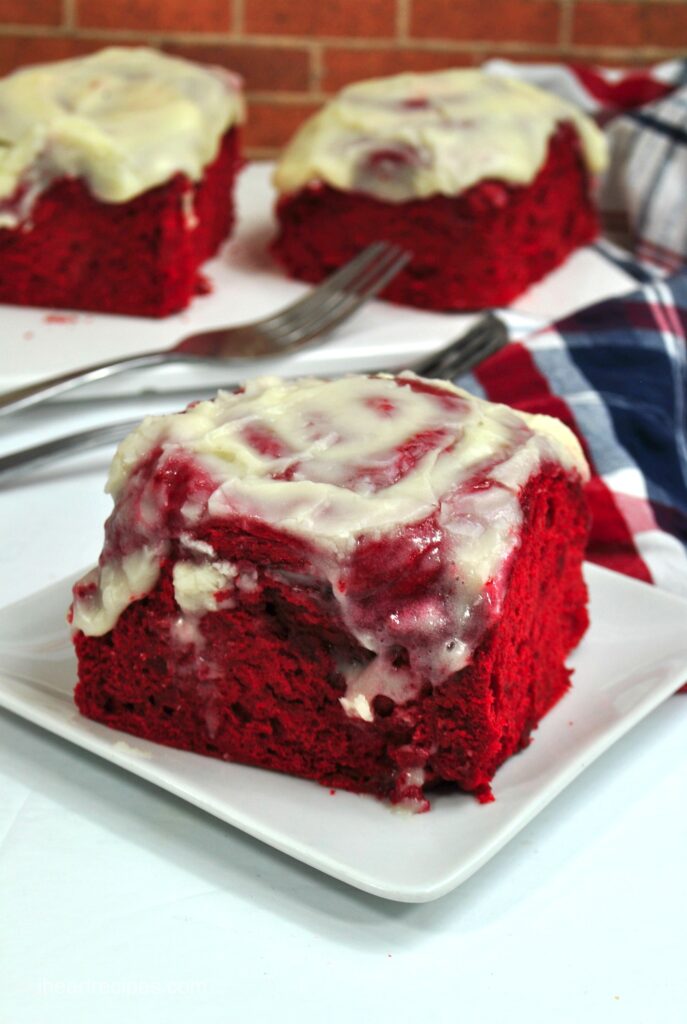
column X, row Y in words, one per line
column 519, row 56
column 666, row 25
column 268, row 68
column 623, row 58
column 271, row 125
column 617, row 24
column 31, row 12
column 630, row 24
column 528, row 21
column 321, row 17
column 342, row 66
column 155, row 15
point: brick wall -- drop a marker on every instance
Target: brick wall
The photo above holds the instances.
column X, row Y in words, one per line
column 292, row 53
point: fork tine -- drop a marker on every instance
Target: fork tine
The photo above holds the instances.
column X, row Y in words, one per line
column 482, row 340
column 375, row 279
column 342, row 278
column 296, row 319
column 345, row 304
column 337, row 281
column 460, row 363
column 467, row 360
column 342, row 305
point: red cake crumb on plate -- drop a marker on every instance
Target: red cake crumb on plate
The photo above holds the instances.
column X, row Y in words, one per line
column 488, row 185
column 119, row 201
column 372, row 582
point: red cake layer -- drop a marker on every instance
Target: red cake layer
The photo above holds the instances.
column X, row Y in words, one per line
column 479, row 249
column 264, row 685
column 140, row 257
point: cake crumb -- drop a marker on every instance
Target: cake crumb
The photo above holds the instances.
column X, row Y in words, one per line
column 204, row 285
column 60, row 318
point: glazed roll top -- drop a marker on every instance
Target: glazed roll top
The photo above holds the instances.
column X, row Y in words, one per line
column 124, row 120
column 412, row 136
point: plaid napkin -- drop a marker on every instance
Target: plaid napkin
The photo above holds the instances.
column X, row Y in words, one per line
column 642, row 195
column 616, row 373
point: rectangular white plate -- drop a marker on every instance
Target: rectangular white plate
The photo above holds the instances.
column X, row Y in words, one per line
column 247, row 284
column 633, row 657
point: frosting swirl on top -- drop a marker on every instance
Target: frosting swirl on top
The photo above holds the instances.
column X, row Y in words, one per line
column 416, row 135
column 123, row 119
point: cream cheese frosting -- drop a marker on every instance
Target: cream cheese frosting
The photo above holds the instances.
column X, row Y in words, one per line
column 123, row 119
column 416, row 135
column 332, row 462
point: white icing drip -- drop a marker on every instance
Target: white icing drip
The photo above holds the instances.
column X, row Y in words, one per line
column 414, row 777
column 185, row 631
column 407, row 782
column 196, row 585
column 200, row 547
column 188, row 210
column 247, row 581
column 417, row 135
column 109, row 589
column 378, row 678
column 192, row 511
column 357, row 706
column 124, row 120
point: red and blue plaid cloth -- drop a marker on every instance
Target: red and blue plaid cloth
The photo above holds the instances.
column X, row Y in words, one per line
column 616, row 372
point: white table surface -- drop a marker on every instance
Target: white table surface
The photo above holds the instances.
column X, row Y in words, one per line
column 119, row 902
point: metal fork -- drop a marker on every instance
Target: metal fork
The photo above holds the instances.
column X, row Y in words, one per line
column 310, row 318
column 460, row 356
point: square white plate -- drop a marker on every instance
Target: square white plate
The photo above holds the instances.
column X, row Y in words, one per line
column 633, row 657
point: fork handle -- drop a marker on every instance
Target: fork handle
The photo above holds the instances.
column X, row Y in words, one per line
column 20, row 398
